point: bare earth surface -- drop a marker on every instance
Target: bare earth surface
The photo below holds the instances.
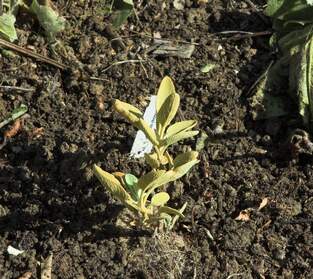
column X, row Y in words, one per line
column 50, row 202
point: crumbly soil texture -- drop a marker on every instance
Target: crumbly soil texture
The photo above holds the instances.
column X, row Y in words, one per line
column 50, row 203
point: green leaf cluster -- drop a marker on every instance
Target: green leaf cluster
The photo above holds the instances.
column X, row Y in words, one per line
column 145, row 196
column 293, row 26
column 165, row 135
column 48, row 18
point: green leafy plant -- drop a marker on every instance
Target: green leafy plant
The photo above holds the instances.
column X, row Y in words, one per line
column 293, row 26
column 145, row 196
column 165, row 135
column 48, row 18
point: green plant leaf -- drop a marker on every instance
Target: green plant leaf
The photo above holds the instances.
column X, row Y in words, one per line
column 122, row 106
column 131, row 180
column 166, row 218
column 184, row 158
column 148, row 131
column 175, row 219
column 177, row 137
column 207, row 68
column 300, row 80
column 182, row 169
column 170, row 211
column 111, row 184
column 273, row 6
column 7, row 28
column 15, row 114
column 166, row 89
column 160, row 199
column 180, row 127
column 152, row 160
column 169, row 176
column 131, row 113
column 293, row 41
column 167, row 112
column 122, row 10
column 49, row 19
column 131, row 185
column 148, row 178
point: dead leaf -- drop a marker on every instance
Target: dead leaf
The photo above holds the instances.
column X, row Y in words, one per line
column 157, row 35
column 26, row 275
column 244, row 215
column 16, row 127
column 263, row 203
column 46, row 268
column 100, row 103
column 36, row 133
column 167, row 48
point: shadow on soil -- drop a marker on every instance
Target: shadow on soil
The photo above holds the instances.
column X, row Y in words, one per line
column 58, row 196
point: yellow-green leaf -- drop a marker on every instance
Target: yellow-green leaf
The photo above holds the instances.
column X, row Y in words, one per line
column 152, row 160
column 111, row 183
column 148, row 178
column 177, row 137
column 148, row 131
column 165, row 90
column 170, row 211
column 174, row 220
column 179, row 127
column 49, row 19
column 153, row 182
column 160, row 199
column 119, row 176
column 131, row 113
column 122, row 106
column 181, row 170
column 167, row 112
column 184, row 158
column 170, row 176
column 7, row 28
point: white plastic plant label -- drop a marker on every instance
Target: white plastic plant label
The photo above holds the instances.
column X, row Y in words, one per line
column 141, row 144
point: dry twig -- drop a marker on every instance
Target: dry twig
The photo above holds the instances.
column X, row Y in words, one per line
column 34, row 55
column 9, row 88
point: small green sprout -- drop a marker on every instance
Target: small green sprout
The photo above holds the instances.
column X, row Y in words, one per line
column 141, row 198
column 145, row 196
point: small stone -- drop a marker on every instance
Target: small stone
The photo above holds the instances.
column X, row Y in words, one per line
column 266, row 140
column 179, row 4
column 279, row 254
column 289, row 208
column 23, row 173
column 3, row 211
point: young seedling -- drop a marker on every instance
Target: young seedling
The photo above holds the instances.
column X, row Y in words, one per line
column 141, row 195
column 165, row 135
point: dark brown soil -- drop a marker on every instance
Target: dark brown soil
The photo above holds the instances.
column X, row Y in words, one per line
column 50, row 202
